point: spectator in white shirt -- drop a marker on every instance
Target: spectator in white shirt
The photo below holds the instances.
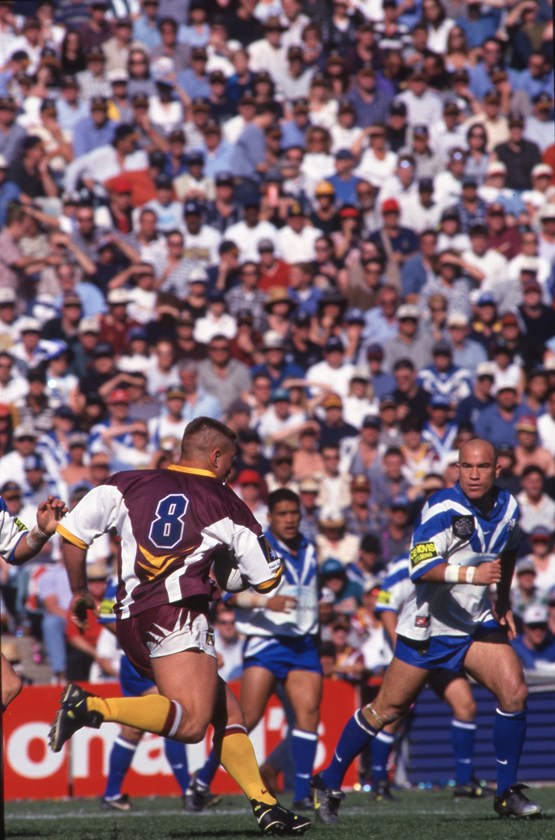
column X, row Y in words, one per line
column 297, row 238
column 423, row 106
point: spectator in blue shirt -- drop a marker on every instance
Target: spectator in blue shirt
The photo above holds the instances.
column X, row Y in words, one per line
column 371, row 104
column 534, row 646
column 95, row 130
column 497, row 422
column 194, row 79
column 344, row 182
column 145, row 28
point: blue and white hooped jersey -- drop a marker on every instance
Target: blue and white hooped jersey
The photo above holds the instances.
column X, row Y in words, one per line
column 451, row 530
column 11, row 531
column 396, row 586
column 300, row 581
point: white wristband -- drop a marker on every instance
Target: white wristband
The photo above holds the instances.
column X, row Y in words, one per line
column 247, row 600
column 451, row 574
column 36, row 538
column 470, row 574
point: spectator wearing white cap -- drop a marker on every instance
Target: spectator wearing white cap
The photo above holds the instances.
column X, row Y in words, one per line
column 534, row 646
column 467, row 353
column 494, row 190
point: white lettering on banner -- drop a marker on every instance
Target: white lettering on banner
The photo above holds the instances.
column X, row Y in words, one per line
column 321, row 751
column 150, row 758
column 19, row 756
column 81, row 748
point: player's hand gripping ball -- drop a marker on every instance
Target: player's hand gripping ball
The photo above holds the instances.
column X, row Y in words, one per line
column 226, row 571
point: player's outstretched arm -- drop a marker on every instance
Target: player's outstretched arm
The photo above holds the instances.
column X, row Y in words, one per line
column 49, row 514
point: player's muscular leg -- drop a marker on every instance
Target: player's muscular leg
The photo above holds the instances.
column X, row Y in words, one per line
column 494, row 664
column 401, row 684
column 304, row 690
column 257, row 685
column 455, row 690
column 191, row 679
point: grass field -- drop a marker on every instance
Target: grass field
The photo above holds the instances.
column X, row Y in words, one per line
column 418, row 815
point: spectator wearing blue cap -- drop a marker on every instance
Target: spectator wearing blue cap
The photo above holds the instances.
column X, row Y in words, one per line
column 222, row 212
column 38, row 484
column 201, row 240
column 333, row 371
column 343, row 181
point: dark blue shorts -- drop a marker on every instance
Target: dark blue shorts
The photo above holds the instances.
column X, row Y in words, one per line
column 283, row 655
column 446, row 652
column 132, row 684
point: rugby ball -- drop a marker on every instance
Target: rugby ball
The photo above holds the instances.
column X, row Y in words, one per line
column 226, row 572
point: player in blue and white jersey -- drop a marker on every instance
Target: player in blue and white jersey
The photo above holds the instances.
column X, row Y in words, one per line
column 18, row 544
column 280, row 644
column 464, row 541
column 451, row 686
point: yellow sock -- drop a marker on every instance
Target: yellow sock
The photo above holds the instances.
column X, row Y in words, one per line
column 152, row 712
column 238, row 758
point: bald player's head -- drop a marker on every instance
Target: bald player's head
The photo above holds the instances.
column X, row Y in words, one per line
column 479, row 446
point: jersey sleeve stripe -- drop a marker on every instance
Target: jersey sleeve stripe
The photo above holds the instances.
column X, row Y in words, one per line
column 421, row 570
column 268, row 585
column 67, row 535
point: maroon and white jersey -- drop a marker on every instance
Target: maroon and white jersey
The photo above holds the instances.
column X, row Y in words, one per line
column 170, row 522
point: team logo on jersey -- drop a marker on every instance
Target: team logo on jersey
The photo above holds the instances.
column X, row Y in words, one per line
column 422, row 621
column 422, row 551
column 210, row 640
column 463, row 526
column 19, row 524
column 384, row 598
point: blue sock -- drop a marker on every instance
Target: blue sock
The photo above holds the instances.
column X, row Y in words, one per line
column 176, row 753
column 208, row 770
column 303, row 747
column 120, row 762
column 381, row 748
column 509, row 730
column 353, row 739
column 462, row 739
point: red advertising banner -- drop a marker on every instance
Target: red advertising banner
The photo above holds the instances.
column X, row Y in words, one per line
column 32, row 771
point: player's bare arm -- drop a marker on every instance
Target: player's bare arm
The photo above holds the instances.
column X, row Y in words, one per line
column 483, row 575
column 49, row 513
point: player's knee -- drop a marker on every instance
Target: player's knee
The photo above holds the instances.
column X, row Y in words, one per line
column 192, row 731
column 464, row 709
column 514, row 695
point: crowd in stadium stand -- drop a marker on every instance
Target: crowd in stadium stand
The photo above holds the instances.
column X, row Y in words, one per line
column 328, row 223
